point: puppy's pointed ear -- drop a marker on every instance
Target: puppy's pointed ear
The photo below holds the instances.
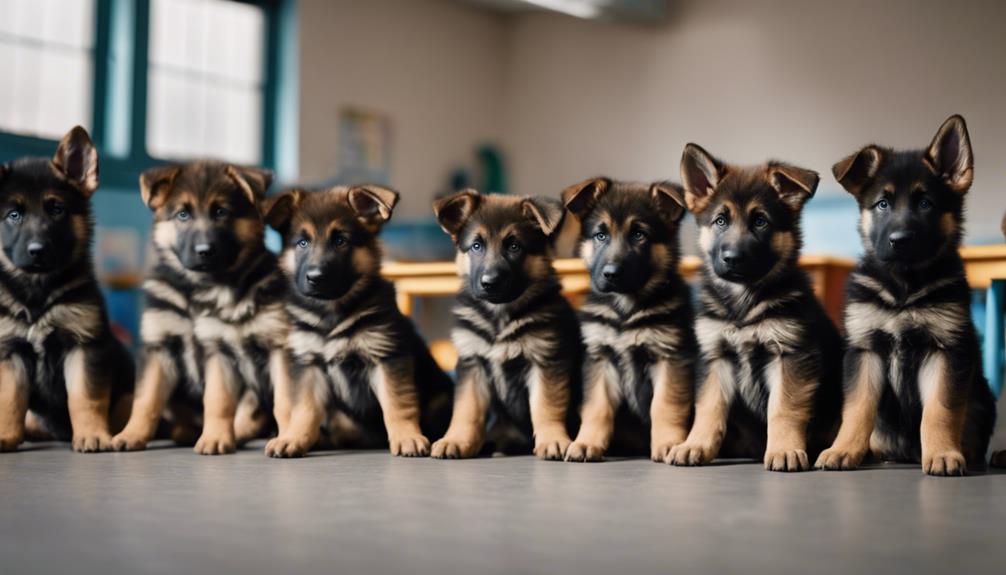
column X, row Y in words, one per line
column 277, row 211
column 253, row 181
column 156, row 184
column 373, row 204
column 794, row 185
column 580, row 198
column 855, row 172
column 76, row 161
column 700, row 174
column 547, row 213
column 669, row 199
column 949, row 155
column 454, row 211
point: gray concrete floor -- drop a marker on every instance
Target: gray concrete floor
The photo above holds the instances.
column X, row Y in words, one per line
column 169, row 511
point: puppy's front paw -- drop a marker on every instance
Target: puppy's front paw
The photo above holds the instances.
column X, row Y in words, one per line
column 284, row 447
column 409, row 446
column 839, row 459
column 786, row 460
column 92, row 442
column 579, row 451
column 661, row 451
column 946, row 463
column 551, row 448
column 215, row 445
column 998, row 459
column 454, row 448
column 10, row 443
column 126, row 441
column 690, row 454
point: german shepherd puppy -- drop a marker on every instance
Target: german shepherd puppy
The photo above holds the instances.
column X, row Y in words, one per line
column 772, row 357
column 350, row 349
column 517, row 337
column 637, row 323
column 57, row 353
column 214, row 324
column 914, row 385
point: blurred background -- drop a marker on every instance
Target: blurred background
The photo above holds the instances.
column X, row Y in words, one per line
column 519, row 96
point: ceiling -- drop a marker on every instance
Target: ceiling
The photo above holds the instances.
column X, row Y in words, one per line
column 642, row 11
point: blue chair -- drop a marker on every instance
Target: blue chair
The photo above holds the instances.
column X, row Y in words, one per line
column 994, row 355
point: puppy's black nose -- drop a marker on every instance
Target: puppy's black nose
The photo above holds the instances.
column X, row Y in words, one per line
column 900, row 239
column 204, row 250
column 730, row 257
column 611, row 272
column 36, row 249
column 491, row 280
column 313, row 275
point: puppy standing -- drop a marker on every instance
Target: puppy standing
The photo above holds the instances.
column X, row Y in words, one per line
column 214, row 325
column 772, row 356
column 517, row 337
column 914, row 386
column 350, row 347
column 57, row 353
column 637, row 322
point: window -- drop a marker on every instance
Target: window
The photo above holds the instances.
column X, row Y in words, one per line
column 206, row 80
column 47, row 56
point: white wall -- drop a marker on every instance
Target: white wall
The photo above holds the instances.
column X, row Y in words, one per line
column 435, row 67
column 807, row 81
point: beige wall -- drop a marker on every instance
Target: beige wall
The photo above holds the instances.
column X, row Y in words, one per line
column 802, row 80
column 434, row 66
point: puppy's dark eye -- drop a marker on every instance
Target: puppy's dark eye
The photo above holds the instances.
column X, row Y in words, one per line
column 601, row 237
column 183, row 216
column 638, row 236
column 513, row 247
column 303, row 243
column 55, row 209
column 760, row 222
column 925, row 204
column 339, row 241
column 476, row 247
column 14, row 216
column 883, row 204
column 720, row 221
column 220, row 212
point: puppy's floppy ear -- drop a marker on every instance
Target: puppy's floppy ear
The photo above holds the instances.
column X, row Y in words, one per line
column 700, row 174
column 949, row 155
column 580, row 198
column 156, row 184
column 855, row 171
column 547, row 213
column 278, row 210
column 669, row 199
column 252, row 181
column 76, row 161
column 373, row 204
column 794, row 185
column 454, row 211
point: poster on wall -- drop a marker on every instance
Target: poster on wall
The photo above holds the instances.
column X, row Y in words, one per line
column 364, row 146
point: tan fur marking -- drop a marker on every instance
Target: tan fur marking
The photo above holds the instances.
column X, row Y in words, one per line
column 711, row 409
column 14, row 393
column 301, row 424
column 942, row 421
column 948, row 225
column 89, row 404
column 549, row 399
column 597, row 416
column 858, row 415
column 399, row 399
column 220, row 401
column 153, row 389
column 250, row 420
column 466, row 432
column 790, row 403
column 670, row 410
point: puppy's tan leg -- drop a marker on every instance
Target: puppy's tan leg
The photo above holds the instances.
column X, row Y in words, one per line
column 671, row 408
column 396, row 392
column 220, row 402
column 466, row 432
column 14, row 394
column 597, row 415
column 862, row 394
column 282, row 386
column 943, row 413
column 711, row 409
column 250, row 420
column 790, row 405
column 549, row 402
column 153, row 389
column 304, row 416
column 89, row 402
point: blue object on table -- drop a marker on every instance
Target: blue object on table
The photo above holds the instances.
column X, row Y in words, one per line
column 994, row 355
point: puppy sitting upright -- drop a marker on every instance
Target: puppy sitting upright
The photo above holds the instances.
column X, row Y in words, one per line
column 637, row 322
column 214, row 323
column 57, row 353
column 350, row 347
column 517, row 337
column 772, row 357
column 914, row 384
